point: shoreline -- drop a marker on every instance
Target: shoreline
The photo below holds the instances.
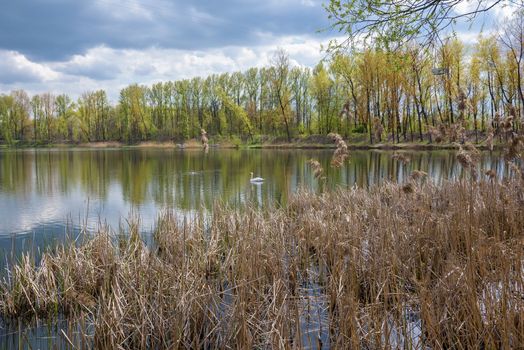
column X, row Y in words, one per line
column 194, row 145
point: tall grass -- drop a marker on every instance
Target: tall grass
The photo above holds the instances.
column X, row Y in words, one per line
column 439, row 267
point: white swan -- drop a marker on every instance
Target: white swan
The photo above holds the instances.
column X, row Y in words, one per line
column 256, row 179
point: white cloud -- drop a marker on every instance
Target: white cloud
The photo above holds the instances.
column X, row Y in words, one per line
column 112, row 69
column 16, row 68
column 468, row 38
column 464, row 7
column 100, row 63
column 507, row 10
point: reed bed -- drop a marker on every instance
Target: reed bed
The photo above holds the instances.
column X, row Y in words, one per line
column 430, row 268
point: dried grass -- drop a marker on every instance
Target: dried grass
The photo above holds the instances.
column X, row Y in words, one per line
column 350, row 269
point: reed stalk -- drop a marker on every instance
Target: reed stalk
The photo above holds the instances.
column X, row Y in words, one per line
column 438, row 267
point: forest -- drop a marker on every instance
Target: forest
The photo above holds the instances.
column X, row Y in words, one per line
column 409, row 94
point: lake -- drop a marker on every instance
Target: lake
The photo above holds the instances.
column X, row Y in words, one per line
column 45, row 192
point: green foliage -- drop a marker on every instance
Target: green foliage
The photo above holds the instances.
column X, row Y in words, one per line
column 236, row 141
column 361, row 129
column 238, row 112
column 389, row 24
column 388, row 94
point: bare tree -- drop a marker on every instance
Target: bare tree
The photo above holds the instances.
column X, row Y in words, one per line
column 279, row 84
column 512, row 38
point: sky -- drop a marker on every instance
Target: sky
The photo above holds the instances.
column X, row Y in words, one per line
column 73, row 46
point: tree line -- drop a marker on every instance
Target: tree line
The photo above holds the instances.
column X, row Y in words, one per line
column 407, row 94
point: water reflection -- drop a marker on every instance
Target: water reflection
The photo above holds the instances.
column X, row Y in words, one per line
column 43, row 188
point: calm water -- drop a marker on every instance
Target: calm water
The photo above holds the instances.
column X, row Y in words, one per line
column 42, row 191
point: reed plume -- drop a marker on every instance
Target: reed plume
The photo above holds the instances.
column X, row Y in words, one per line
column 378, row 128
column 491, row 174
column 489, row 138
column 418, row 175
column 204, row 139
column 436, row 134
column 514, row 148
column 468, row 157
column 318, row 171
column 401, row 158
column 341, row 153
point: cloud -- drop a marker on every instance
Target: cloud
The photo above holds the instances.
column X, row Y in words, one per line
column 101, row 63
column 74, row 46
column 66, row 46
column 57, row 29
column 16, row 68
column 485, row 24
column 497, row 13
column 112, row 69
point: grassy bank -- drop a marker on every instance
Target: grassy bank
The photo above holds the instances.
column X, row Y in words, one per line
column 354, row 141
column 189, row 144
column 396, row 266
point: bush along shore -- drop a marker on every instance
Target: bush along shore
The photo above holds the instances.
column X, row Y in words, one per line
column 485, row 141
column 399, row 265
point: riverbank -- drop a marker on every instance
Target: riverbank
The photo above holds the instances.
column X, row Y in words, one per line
column 409, row 265
column 358, row 142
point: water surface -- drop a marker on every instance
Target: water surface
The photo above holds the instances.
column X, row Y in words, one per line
column 43, row 191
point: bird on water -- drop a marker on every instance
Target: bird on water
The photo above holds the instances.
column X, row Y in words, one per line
column 256, row 179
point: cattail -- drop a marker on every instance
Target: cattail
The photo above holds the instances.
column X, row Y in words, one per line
column 464, row 158
column 318, row 171
column 507, row 123
column 435, row 134
column 490, row 173
column 474, row 173
column 378, row 129
column 468, row 157
column 204, row 139
column 248, row 278
column 418, row 174
column 401, row 158
column 456, row 132
column 341, row 152
column 516, row 169
column 489, row 138
column 408, row 187
column 473, row 152
column 514, row 148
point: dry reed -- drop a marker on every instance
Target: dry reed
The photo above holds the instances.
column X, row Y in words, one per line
column 404, row 159
column 437, row 267
column 341, row 153
column 318, row 171
column 378, row 129
column 489, row 138
column 204, row 139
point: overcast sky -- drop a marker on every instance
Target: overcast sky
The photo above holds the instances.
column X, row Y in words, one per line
column 73, row 46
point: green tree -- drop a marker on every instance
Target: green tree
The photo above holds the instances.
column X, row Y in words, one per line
column 397, row 22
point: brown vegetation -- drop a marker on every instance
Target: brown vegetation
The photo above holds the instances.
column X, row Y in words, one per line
column 438, row 266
